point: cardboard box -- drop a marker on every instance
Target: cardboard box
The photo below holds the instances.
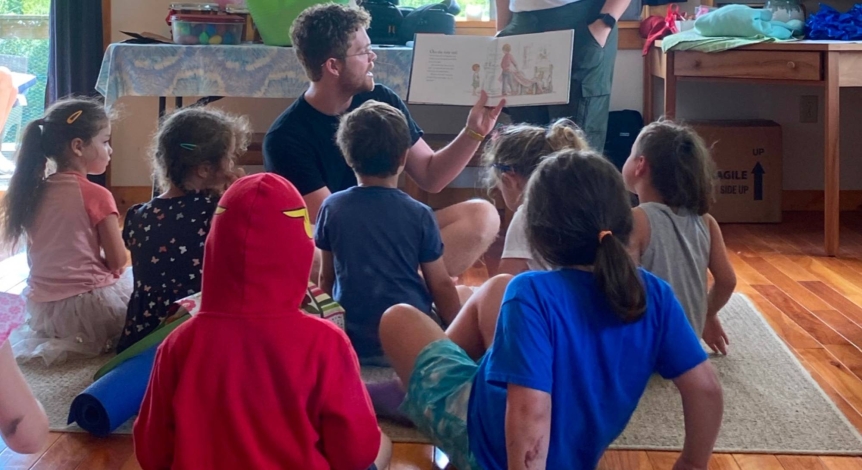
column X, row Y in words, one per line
column 748, row 156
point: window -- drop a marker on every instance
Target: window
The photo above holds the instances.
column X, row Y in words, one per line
column 470, row 9
column 23, row 49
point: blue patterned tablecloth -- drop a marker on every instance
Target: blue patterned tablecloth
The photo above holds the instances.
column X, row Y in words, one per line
column 251, row 71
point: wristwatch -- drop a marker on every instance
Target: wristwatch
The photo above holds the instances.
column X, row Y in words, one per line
column 607, row 19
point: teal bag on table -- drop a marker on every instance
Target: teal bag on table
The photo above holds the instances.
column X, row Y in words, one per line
column 742, row 21
column 274, row 17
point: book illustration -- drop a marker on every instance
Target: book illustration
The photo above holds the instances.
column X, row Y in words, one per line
column 533, row 77
column 526, row 70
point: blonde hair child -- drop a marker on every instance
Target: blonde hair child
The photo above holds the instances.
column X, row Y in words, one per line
column 511, row 156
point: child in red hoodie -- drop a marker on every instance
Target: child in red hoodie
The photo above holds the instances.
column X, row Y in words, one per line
column 251, row 381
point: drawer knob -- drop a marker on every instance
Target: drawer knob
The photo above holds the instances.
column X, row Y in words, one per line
column 791, row 65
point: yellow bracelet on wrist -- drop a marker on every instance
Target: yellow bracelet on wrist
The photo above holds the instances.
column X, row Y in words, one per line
column 474, row 135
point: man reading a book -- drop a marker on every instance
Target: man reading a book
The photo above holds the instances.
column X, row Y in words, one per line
column 333, row 47
column 594, row 22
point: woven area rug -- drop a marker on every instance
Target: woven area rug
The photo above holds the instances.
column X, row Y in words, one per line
column 772, row 405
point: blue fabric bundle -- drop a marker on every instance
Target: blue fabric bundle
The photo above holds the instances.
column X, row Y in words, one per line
column 110, row 401
column 829, row 23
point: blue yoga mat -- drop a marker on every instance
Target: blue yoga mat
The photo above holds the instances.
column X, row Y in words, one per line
column 114, row 398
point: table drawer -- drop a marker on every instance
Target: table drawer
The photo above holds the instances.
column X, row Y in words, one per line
column 749, row 64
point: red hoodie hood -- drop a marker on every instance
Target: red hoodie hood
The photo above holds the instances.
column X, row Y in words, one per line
column 259, row 250
column 251, row 382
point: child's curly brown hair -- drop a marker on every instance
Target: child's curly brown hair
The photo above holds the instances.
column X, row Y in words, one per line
column 195, row 136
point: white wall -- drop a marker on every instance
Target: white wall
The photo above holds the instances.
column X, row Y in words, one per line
column 803, row 155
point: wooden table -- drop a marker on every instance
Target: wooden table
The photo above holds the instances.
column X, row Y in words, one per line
column 831, row 65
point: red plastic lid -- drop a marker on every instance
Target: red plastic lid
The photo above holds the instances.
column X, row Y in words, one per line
column 224, row 19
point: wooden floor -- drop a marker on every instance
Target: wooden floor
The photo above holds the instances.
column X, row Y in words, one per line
column 813, row 302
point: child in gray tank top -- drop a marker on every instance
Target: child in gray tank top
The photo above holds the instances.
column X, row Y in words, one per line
column 674, row 237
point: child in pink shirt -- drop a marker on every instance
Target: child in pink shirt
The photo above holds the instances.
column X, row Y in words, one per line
column 76, row 292
column 507, row 75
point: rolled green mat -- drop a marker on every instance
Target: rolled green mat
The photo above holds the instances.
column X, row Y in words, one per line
column 316, row 303
column 152, row 339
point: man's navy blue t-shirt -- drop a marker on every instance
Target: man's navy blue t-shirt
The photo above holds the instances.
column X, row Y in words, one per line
column 300, row 145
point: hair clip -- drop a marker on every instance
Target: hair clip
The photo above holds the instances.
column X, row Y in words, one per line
column 189, row 146
column 74, row 116
column 502, row 168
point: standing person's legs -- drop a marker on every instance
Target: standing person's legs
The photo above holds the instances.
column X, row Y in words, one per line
column 468, row 229
column 590, row 91
column 525, row 23
column 592, row 69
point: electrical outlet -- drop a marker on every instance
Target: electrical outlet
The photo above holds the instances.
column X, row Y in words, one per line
column 808, row 111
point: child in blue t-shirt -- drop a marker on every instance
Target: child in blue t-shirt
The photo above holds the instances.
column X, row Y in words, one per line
column 573, row 348
column 374, row 238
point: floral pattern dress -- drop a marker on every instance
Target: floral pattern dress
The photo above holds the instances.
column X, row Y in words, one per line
column 166, row 238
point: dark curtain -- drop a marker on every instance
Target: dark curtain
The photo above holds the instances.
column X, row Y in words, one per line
column 76, row 51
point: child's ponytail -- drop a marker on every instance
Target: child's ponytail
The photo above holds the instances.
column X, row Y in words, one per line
column 618, row 278
column 22, row 199
column 579, row 216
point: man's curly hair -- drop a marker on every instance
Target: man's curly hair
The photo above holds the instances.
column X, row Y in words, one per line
column 322, row 32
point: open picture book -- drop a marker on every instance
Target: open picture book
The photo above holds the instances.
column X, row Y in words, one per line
column 526, row 70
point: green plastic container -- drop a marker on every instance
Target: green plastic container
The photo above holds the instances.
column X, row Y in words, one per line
column 274, row 17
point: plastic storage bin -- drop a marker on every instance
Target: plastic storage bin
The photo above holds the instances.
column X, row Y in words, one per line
column 207, row 29
column 249, row 30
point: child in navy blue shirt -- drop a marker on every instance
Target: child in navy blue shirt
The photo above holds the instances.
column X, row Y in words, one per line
column 573, row 348
column 374, row 238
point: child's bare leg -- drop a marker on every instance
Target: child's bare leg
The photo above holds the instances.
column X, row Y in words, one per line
column 404, row 333
column 384, row 455
column 23, row 423
column 473, row 328
column 464, row 293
